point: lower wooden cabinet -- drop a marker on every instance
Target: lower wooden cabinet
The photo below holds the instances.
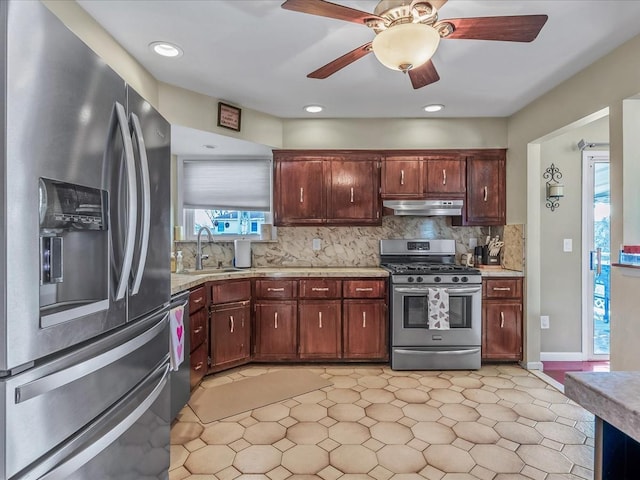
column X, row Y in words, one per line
column 364, row 330
column 320, row 324
column 230, row 335
column 502, row 319
column 198, row 364
column 275, row 330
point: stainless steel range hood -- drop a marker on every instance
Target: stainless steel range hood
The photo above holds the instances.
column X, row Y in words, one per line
column 425, row 208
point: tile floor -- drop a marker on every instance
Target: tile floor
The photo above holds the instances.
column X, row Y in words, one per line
column 497, row 423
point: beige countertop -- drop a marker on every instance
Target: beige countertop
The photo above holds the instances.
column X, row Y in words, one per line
column 181, row 282
column 612, row 396
column 500, row 272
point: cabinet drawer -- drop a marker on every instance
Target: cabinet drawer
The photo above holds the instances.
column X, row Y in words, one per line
column 198, row 365
column 503, row 288
column 276, row 289
column 320, row 288
column 197, row 299
column 198, row 324
column 363, row 288
column 224, row 292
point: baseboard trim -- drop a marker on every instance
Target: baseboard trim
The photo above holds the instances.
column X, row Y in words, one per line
column 531, row 365
column 561, row 357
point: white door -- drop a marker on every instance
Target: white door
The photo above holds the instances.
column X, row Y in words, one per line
column 596, row 255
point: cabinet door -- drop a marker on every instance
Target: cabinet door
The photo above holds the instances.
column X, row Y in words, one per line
column 198, row 365
column 275, row 330
column 486, row 202
column 320, row 325
column 230, row 334
column 445, row 177
column 502, row 330
column 198, row 328
column 352, row 196
column 364, row 329
column 402, row 177
column 299, row 191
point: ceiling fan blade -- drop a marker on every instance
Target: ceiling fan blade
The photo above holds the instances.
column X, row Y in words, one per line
column 331, row 10
column 341, row 62
column 423, row 75
column 517, row 28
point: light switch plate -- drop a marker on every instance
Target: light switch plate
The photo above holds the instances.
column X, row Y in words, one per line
column 567, row 245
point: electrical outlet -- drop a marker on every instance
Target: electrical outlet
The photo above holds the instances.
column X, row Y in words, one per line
column 567, row 245
column 473, row 243
column 544, row 321
column 315, row 244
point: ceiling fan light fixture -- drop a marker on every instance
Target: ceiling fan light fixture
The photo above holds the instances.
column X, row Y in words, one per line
column 436, row 107
column 313, row 108
column 406, row 45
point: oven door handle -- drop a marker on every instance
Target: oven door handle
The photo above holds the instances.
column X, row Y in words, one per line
column 425, row 290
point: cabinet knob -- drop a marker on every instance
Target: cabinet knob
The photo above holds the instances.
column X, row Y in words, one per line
column 401, row 177
column 485, row 193
column 197, row 330
column 444, row 176
column 501, row 319
column 198, row 366
column 351, row 194
column 231, row 323
column 275, row 320
column 364, row 319
column 319, row 319
column 301, row 195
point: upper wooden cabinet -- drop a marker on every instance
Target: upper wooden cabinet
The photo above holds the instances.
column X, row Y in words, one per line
column 337, row 189
column 445, row 176
column 402, row 177
column 299, row 191
column 353, row 187
column 486, row 190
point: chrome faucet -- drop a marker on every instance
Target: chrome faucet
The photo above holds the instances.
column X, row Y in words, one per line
column 199, row 255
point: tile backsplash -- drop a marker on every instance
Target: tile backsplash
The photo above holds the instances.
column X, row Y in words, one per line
column 339, row 246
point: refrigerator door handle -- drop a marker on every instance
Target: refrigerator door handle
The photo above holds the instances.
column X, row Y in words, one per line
column 146, row 203
column 132, row 207
column 84, row 446
column 67, row 375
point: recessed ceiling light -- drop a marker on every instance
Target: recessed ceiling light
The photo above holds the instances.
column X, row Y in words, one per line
column 166, row 49
column 313, row 108
column 433, row 108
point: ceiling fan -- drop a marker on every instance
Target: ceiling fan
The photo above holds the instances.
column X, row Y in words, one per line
column 408, row 33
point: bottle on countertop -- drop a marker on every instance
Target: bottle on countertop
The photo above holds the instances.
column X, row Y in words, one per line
column 179, row 265
column 173, row 263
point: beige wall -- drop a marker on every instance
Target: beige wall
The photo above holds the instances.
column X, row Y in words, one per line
column 604, row 84
column 561, row 272
column 396, row 133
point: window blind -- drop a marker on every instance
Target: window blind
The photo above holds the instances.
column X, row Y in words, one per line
column 227, row 184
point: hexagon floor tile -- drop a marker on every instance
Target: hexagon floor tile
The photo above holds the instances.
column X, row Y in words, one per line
column 494, row 423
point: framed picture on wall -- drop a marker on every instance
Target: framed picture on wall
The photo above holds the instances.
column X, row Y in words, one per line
column 229, row 116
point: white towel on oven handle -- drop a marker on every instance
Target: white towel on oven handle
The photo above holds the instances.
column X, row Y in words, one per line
column 438, row 311
column 176, row 337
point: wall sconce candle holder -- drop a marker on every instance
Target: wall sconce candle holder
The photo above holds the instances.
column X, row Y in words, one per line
column 554, row 188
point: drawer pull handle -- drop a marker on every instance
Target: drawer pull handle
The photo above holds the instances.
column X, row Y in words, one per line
column 364, row 319
column 320, row 289
column 301, row 195
column 319, row 319
column 198, row 330
column 501, row 319
column 275, row 320
column 198, row 300
column 231, row 323
column 401, row 177
column 198, row 366
column 502, row 289
column 486, row 193
column 275, row 289
column 444, row 176
column 351, row 194
column 364, row 289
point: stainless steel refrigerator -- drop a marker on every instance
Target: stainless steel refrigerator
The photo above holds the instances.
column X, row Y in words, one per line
column 84, row 242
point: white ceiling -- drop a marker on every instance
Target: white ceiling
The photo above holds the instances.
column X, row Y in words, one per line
column 254, row 54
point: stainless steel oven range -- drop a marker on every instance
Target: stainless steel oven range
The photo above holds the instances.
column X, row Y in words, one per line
column 422, row 270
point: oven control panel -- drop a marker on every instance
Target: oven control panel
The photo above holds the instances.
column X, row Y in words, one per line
column 438, row 279
column 419, row 246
